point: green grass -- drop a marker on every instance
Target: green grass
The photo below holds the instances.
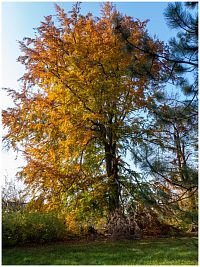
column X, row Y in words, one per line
column 168, row 251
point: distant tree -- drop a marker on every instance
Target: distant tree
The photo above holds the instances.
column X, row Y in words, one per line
column 13, row 198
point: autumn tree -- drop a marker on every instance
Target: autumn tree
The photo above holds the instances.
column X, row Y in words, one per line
column 80, row 111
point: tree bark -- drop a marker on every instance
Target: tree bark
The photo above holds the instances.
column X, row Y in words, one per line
column 112, row 172
column 108, row 140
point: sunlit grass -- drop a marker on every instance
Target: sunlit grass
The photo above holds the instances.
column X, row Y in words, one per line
column 181, row 251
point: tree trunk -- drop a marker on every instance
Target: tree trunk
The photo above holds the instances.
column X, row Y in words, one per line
column 112, row 172
column 107, row 136
column 180, row 153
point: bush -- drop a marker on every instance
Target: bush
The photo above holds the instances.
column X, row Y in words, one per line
column 21, row 228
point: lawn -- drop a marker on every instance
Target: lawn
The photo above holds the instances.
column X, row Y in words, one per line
column 168, row 251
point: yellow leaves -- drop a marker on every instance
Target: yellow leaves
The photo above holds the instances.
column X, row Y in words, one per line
column 52, row 154
column 71, row 221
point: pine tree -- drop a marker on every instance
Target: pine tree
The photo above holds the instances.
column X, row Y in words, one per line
column 181, row 57
column 184, row 47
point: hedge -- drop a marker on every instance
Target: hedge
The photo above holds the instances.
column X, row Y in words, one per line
column 20, row 228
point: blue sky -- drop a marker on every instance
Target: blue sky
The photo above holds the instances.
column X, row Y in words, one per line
column 18, row 21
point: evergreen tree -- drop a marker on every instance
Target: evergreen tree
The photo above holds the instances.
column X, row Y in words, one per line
column 170, row 157
column 182, row 54
column 184, row 47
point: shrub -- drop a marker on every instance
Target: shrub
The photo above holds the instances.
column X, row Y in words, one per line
column 20, row 228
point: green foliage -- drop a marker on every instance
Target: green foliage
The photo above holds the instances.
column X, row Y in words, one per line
column 191, row 217
column 19, row 228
